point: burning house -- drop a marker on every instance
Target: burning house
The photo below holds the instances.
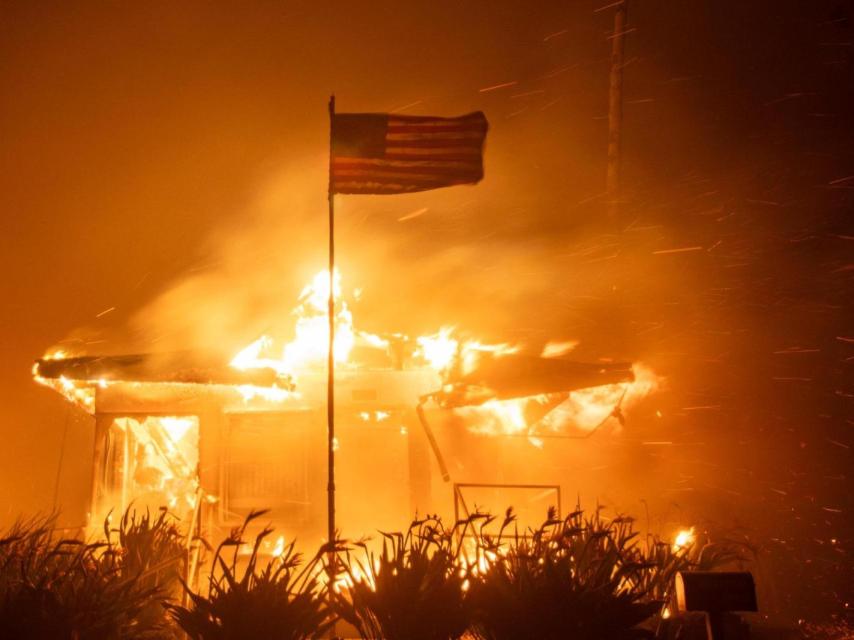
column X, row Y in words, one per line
column 213, row 439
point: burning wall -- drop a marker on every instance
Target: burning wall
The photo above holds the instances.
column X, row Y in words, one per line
column 259, row 428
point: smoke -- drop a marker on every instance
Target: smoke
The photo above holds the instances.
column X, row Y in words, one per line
column 248, row 274
column 461, row 261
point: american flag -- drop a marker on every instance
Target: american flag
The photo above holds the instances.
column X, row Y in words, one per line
column 383, row 154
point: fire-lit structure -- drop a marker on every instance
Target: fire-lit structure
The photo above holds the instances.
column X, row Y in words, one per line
column 212, row 440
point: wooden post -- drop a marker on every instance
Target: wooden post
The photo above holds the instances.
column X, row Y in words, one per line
column 99, row 460
column 615, row 110
column 61, row 458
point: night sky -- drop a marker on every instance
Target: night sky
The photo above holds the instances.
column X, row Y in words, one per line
column 162, row 186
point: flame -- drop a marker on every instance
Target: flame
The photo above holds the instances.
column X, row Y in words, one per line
column 442, row 351
column 310, row 346
column 684, row 539
column 557, row 349
column 77, row 392
column 439, row 349
column 584, row 409
column 271, row 394
column 472, row 350
column 498, row 416
column 279, row 548
column 354, row 575
column 251, row 357
column 159, row 458
column 475, row 560
column 177, row 428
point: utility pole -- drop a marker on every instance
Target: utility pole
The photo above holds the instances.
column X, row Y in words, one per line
column 615, row 110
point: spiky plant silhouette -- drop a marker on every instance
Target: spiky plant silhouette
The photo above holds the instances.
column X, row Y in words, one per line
column 580, row 578
column 414, row 588
column 54, row 587
column 284, row 599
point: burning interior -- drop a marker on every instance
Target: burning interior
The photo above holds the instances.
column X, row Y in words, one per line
column 213, row 439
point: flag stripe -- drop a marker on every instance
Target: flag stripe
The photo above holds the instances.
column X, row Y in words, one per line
column 413, row 128
column 367, row 187
column 432, row 151
column 439, row 135
column 436, row 121
column 376, row 153
column 427, row 143
column 408, row 174
column 450, row 157
column 368, row 163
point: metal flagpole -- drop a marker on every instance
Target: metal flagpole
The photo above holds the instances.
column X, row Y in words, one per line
column 330, row 387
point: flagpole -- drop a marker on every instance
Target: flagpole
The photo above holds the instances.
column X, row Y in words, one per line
column 330, row 386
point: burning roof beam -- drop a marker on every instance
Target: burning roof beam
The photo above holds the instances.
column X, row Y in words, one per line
column 517, row 376
column 183, row 367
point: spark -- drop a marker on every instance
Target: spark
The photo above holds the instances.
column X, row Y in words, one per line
column 622, row 33
column 406, row 106
column 499, row 86
column 555, row 34
column 681, row 250
column 414, row 214
column 533, row 92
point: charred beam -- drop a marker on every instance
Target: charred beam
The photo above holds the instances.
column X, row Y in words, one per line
column 172, row 367
column 518, row 376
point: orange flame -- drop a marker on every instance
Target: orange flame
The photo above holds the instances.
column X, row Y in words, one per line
column 684, row 539
column 310, row 346
column 584, row 409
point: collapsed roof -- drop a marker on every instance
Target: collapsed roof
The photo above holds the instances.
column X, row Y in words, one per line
column 503, row 377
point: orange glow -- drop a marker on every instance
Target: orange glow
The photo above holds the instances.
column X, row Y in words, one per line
column 271, row 394
column 310, row 346
column 584, row 409
column 345, row 581
column 251, row 357
column 279, row 548
column 442, row 350
column 684, row 539
column 439, row 349
column 176, row 428
column 80, row 393
column 557, row 349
